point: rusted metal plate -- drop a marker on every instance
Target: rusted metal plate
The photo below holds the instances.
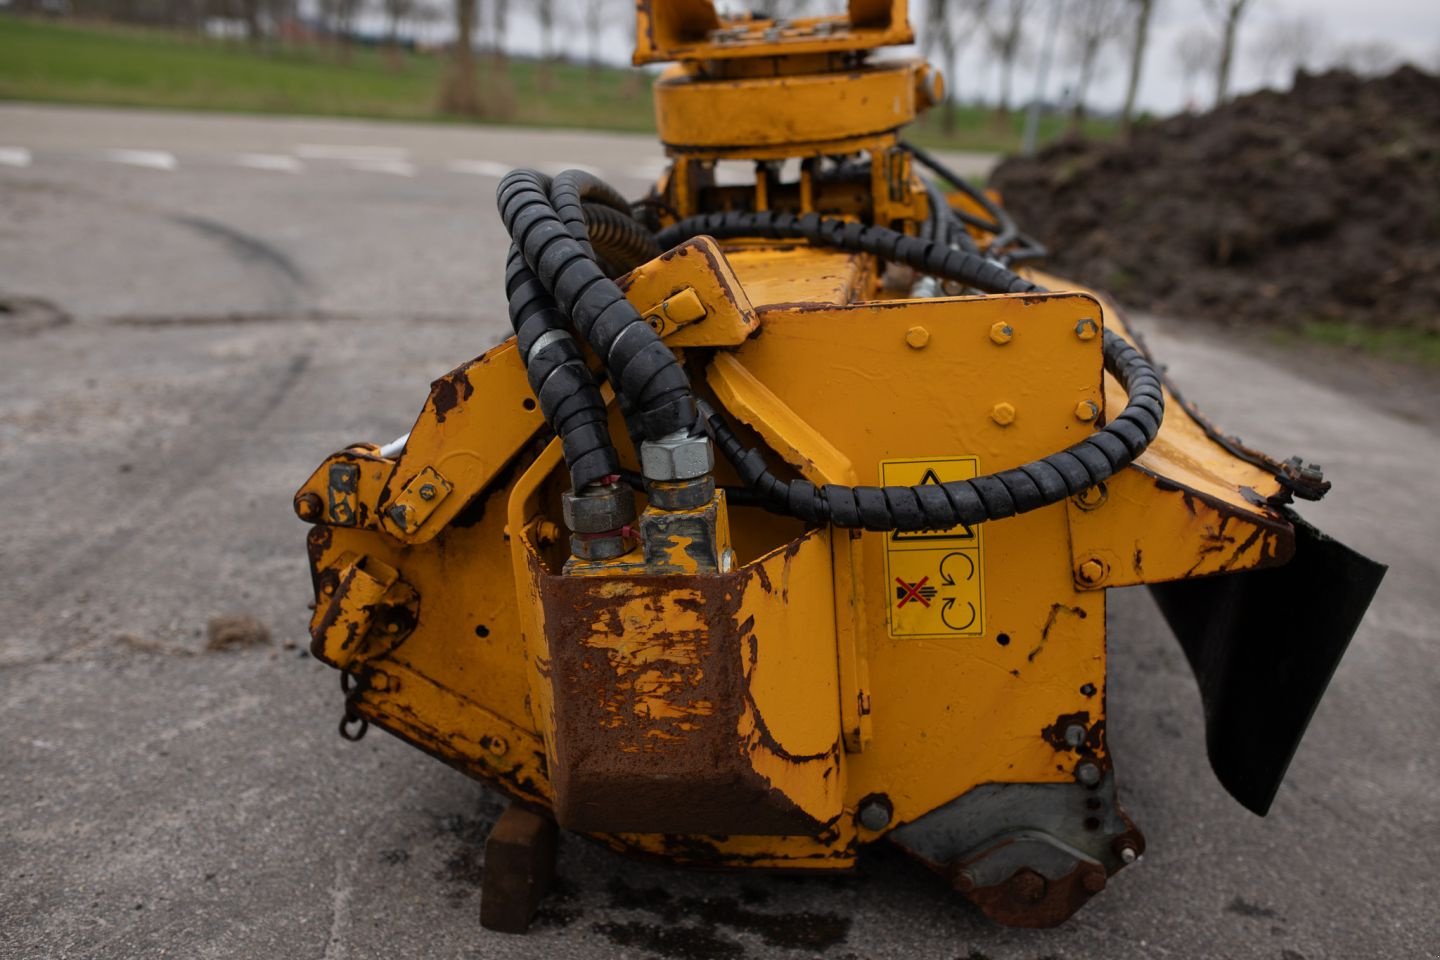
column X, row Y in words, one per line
column 666, row 714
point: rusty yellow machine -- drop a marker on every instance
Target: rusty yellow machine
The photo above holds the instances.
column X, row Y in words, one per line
column 783, row 524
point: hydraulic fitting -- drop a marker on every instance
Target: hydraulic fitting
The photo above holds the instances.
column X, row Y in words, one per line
column 678, row 456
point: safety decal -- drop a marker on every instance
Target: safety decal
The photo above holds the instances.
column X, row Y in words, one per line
column 934, row 578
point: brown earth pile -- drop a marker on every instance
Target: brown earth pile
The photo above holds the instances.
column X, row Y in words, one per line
column 1322, row 203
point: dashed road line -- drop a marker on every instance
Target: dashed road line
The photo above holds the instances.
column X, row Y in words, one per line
column 14, row 157
column 330, row 151
column 152, row 159
column 270, row 161
column 648, row 169
column 394, row 167
column 554, row 167
column 479, row 168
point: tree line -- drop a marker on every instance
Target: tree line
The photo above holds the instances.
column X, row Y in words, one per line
column 1090, row 38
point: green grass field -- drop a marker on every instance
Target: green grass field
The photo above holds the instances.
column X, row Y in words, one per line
column 65, row 62
column 68, row 63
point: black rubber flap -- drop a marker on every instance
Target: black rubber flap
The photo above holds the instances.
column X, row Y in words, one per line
column 1263, row 645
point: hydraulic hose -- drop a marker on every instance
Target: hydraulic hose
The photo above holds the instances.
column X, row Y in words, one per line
column 567, row 393
column 559, row 254
column 927, row 256
column 619, row 239
column 1001, row 224
column 937, row 506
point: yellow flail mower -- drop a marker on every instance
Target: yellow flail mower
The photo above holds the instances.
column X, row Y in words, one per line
column 784, row 522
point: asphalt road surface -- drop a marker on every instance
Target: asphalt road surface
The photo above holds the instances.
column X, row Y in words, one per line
column 220, row 302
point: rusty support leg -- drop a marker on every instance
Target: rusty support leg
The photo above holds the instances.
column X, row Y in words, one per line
column 519, row 868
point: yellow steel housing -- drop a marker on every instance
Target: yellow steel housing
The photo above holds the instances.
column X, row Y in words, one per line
column 808, row 679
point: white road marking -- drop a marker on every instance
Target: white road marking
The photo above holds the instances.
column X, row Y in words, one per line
column 270, row 161
column 480, row 168
column 554, row 167
column 648, row 169
column 14, row 157
column 153, row 159
column 398, row 168
column 327, row 151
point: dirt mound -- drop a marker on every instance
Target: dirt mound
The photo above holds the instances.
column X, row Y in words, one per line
column 1322, row 203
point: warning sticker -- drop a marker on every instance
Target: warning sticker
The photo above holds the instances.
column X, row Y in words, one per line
column 935, row 578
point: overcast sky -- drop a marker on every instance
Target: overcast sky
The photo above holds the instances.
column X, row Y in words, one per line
column 1410, row 27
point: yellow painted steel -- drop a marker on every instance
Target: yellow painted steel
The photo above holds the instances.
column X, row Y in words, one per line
column 693, row 111
column 469, row 631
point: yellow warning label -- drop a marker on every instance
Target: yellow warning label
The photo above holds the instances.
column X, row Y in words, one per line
column 935, row 578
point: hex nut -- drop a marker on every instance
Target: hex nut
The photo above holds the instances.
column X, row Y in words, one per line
column 1003, row 413
column 1091, row 572
column 599, row 509
column 917, row 337
column 598, row 548
column 677, row 457
column 1086, row 328
column 681, row 494
column 1001, row 332
column 1086, row 410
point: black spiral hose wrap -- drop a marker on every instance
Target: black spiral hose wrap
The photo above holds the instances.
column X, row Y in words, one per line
column 553, row 275
column 567, row 393
column 639, row 363
column 937, row 506
column 619, row 239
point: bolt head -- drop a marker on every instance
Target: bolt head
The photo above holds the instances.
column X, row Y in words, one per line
column 309, row 506
column 1087, row 328
column 1001, row 332
column 1087, row 773
column 1086, row 410
column 1128, row 854
column 1003, row 413
column 497, row 746
column 427, row 491
column 1090, row 572
column 917, row 337
column 1028, row 885
column 1075, row 734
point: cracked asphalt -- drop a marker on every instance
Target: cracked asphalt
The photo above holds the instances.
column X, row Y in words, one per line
column 217, row 330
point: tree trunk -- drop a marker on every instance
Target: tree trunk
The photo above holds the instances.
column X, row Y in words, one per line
column 1227, row 51
column 458, row 93
column 1137, row 63
column 1082, row 85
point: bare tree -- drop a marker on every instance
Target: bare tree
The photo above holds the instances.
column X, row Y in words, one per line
column 1139, row 40
column 595, row 16
column 1004, row 29
column 1196, row 52
column 396, row 12
column 545, row 20
column 1093, row 25
column 1287, row 44
column 1228, row 14
column 949, row 27
column 499, row 27
column 459, row 92
column 1369, row 58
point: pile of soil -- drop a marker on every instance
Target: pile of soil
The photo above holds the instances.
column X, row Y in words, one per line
column 1319, row 204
